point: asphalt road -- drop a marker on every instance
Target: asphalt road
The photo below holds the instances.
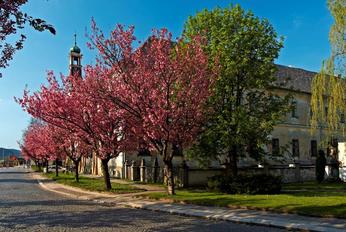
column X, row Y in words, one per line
column 25, row 206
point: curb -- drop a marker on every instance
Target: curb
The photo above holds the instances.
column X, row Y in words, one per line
column 206, row 215
column 42, row 185
column 255, row 222
column 216, row 218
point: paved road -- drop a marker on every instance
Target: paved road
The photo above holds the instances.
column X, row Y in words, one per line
column 24, row 206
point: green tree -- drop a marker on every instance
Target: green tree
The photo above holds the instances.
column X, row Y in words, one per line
column 329, row 87
column 244, row 104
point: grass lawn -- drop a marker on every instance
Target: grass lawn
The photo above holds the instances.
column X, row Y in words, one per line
column 148, row 183
column 328, row 200
column 35, row 168
column 92, row 184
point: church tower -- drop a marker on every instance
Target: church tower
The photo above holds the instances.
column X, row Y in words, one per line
column 75, row 59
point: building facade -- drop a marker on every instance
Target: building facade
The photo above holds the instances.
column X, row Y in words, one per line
column 292, row 137
column 295, row 132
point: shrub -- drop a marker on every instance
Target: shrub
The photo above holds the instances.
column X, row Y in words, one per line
column 219, row 183
column 250, row 184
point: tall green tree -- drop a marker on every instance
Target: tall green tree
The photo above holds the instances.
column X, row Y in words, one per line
column 244, row 106
column 328, row 86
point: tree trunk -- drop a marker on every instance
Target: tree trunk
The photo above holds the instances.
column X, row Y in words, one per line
column 56, row 168
column 47, row 166
column 232, row 167
column 76, row 175
column 39, row 166
column 169, row 177
column 106, row 174
column 228, row 169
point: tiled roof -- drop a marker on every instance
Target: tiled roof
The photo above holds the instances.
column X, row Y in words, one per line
column 295, row 78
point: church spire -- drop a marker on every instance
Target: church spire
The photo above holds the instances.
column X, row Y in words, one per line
column 75, row 59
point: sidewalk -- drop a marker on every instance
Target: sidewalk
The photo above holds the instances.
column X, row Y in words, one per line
column 253, row 217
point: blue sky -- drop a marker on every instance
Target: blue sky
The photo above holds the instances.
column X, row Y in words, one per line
column 304, row 24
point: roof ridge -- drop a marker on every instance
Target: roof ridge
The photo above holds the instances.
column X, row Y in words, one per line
column 288, row 67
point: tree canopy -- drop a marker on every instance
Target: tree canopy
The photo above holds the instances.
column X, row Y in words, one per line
column 329, row 86
column 152, row 96
column 245, row 108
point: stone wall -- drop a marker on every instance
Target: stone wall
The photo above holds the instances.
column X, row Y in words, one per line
column 184, row 176
column 198, row 177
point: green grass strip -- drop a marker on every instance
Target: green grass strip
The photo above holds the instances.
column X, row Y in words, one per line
column 326, row 200
column 92, row 184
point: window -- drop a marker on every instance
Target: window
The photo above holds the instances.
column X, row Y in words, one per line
column 275, row 146
column 326, row 111
column 75, row 61
column 294, row 109
column 313, row 148
column 295, row 147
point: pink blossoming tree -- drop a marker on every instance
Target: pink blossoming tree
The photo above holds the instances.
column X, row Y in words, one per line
column 163, row 84
column 153, row 95
column 75, row 106
column 39, row 145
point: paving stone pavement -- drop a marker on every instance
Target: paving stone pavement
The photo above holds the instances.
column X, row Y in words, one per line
column 26, row 207
column 252, row 217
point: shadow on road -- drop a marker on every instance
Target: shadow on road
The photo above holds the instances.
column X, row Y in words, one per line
column 9, row 172
column 53, row 203
column 27, row 181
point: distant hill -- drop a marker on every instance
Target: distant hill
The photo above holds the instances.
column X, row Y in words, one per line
column 8, row 152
